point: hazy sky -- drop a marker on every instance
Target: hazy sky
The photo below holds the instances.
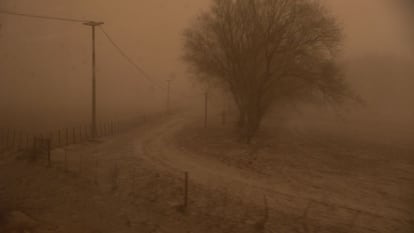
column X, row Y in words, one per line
column 375, row 26
column 50, row 61
column 155, row 25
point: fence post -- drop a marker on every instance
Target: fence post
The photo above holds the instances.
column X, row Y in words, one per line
column 66, row 159
column 103, row 129
column 51, row 139
column 7, row 137
column 14, row 138
column 34, row 147
column 19, row 140
column 305, row 213
column 262, row 223
column 80, row 134
column 353, row 221
column 4, row 136
column 67, row 136
column 80, row 163
column 74, row 135
column 96, row 172
column 59, row 139
column 27, row 141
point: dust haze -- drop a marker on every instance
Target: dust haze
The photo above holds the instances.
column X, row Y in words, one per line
column 46, row 64
column 157, row 122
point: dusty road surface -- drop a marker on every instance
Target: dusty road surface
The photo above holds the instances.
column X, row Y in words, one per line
column 134, row 182
column 375, row 193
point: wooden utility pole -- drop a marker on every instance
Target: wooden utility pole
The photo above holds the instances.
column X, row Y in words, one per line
column 223, row 117
column 49, row 147
column 168, row 96
column 205, row 108
column 93, row 24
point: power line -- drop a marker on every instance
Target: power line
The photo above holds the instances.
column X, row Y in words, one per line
column 123, row 54
column 43, row 17
column 146, row 75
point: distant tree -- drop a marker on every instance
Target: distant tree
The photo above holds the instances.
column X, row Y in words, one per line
column 265, row 52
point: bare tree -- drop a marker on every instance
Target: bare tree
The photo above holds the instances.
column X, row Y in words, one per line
column 266, row 52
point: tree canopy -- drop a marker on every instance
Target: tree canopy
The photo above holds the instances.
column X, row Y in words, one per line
column 265, row 52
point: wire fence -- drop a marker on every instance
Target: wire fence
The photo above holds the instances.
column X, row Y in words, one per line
column 225, row 209
column 279, row 212
column 12, row 139
column 229, row 210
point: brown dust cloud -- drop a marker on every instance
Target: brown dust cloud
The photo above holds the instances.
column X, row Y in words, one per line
column 45, row 65
column 173, row 158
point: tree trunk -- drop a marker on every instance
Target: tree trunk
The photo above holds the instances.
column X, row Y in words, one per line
column 250, row 117
column 249, row 122
column 252, row 125
column 241, row 122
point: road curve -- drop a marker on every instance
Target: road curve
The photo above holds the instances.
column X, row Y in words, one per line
column 159, row 149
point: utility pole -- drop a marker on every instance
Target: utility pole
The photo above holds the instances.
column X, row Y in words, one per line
column 205, row 108
column 168, row 96
column 223, row 116
column 93, row 24
column 226, row 108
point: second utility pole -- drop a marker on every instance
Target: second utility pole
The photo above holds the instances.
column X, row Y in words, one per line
column 93, row 24
column 168, row 96
column 205, row 108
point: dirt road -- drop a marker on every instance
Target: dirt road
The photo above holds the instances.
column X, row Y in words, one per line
column 158, row 148
column 132, row 183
